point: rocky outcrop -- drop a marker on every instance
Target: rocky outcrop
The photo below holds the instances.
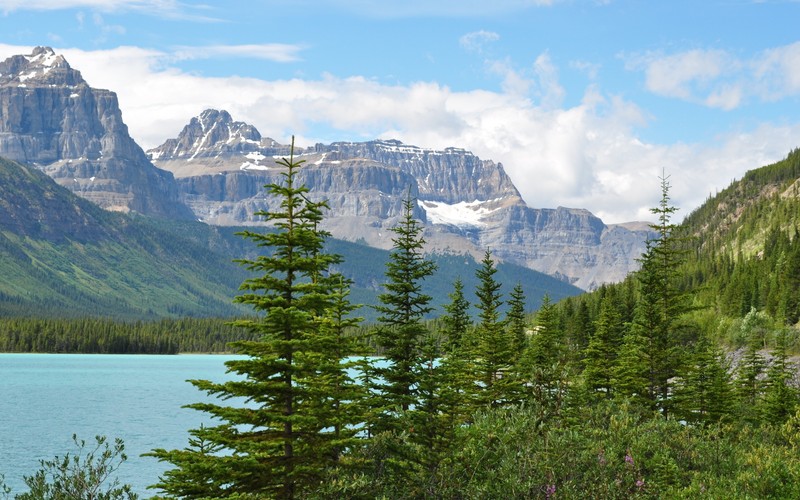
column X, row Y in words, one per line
column 467, row 204
column 450, row 176
column 52, row 119
column 214, row 134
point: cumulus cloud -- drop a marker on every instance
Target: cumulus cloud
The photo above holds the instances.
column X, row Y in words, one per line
column 586, row 155
column 683, row 75
column 777, row 72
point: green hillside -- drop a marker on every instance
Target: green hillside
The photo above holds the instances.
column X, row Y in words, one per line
column 740, row 265
column 745, row 253
column 61, row 256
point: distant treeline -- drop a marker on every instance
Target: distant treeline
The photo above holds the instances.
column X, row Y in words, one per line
column 106, row 336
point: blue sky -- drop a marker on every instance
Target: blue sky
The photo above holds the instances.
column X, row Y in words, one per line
column 584, row 102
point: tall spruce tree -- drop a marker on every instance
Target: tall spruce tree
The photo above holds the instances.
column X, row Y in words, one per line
column 515, row 320
column 278, row 441
column 600, row 358
column 400, row 330
column 493, row 344
column 703, row 392
column 458, row 361
column 456, row 321
column 781, row 395
column 661, row 302
column 632, row 373
column 542, row 367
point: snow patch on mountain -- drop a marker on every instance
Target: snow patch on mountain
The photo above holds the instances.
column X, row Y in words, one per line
column 461, row 214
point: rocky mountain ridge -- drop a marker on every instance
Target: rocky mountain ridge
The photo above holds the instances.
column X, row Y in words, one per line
column 467, row 204
column 52, row 119
column 215, row 170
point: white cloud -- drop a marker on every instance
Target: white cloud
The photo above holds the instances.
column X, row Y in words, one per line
column 160, row 8
column 718, row 79
column 682, row 75
column 590, row 69
column 447, row 8
column 777, row 72
column 476, row 40
column 277, row 52
column 551, row 92
column 584, row 156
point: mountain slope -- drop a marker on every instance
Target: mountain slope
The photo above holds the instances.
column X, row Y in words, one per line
column 467, row 204
column 61, row 255
column 745, row 250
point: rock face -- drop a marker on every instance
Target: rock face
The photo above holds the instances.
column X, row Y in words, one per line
column 467, row 204
column 52, row 119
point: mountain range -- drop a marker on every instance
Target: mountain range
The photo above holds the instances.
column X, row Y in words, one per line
column 468, row 204
column 214, row 172
column 61, row 255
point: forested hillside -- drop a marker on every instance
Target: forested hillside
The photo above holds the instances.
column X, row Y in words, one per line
column 62, row 257
column 745, row 254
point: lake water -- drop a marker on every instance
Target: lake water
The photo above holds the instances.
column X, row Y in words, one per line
column 46, row 398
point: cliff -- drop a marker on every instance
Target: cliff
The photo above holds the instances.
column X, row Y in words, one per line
column 467, row 204
column 52, row 119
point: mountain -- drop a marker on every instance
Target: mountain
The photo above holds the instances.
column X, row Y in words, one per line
column 61, row 255
column 216, row 168
column 52, row 119
column 467, row 204
column 745, row 253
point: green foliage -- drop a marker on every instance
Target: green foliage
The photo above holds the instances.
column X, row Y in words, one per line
column 456, row 321
column 614, row 452
column 295, row 416
column 401, row 332
column 703, row 393
column 516, row 321
column 86, row 475
column 602, row 353
column 106, row 336
column 780, row 396
column 494, row 354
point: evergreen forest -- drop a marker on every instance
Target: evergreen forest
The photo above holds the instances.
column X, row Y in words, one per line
column 679, row 382
column 665, row 385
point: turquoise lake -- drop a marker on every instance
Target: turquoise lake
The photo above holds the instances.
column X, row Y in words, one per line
column 46, row 398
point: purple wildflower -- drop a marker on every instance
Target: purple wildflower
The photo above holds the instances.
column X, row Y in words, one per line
column 550, row 490
column 629, row 458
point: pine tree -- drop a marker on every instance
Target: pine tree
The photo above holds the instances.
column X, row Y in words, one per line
column 279, row 443
column 546, row 347
column 601, row 355
column 400, row 332
column 703, row 393
column 515, row 320
column 339, row 397
column 542, row 366
column 632, row 372
column 780, row 396
column 493, row 345
column 749, row 388
column 458, row 367
column 661, row 302
column 456, row 321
